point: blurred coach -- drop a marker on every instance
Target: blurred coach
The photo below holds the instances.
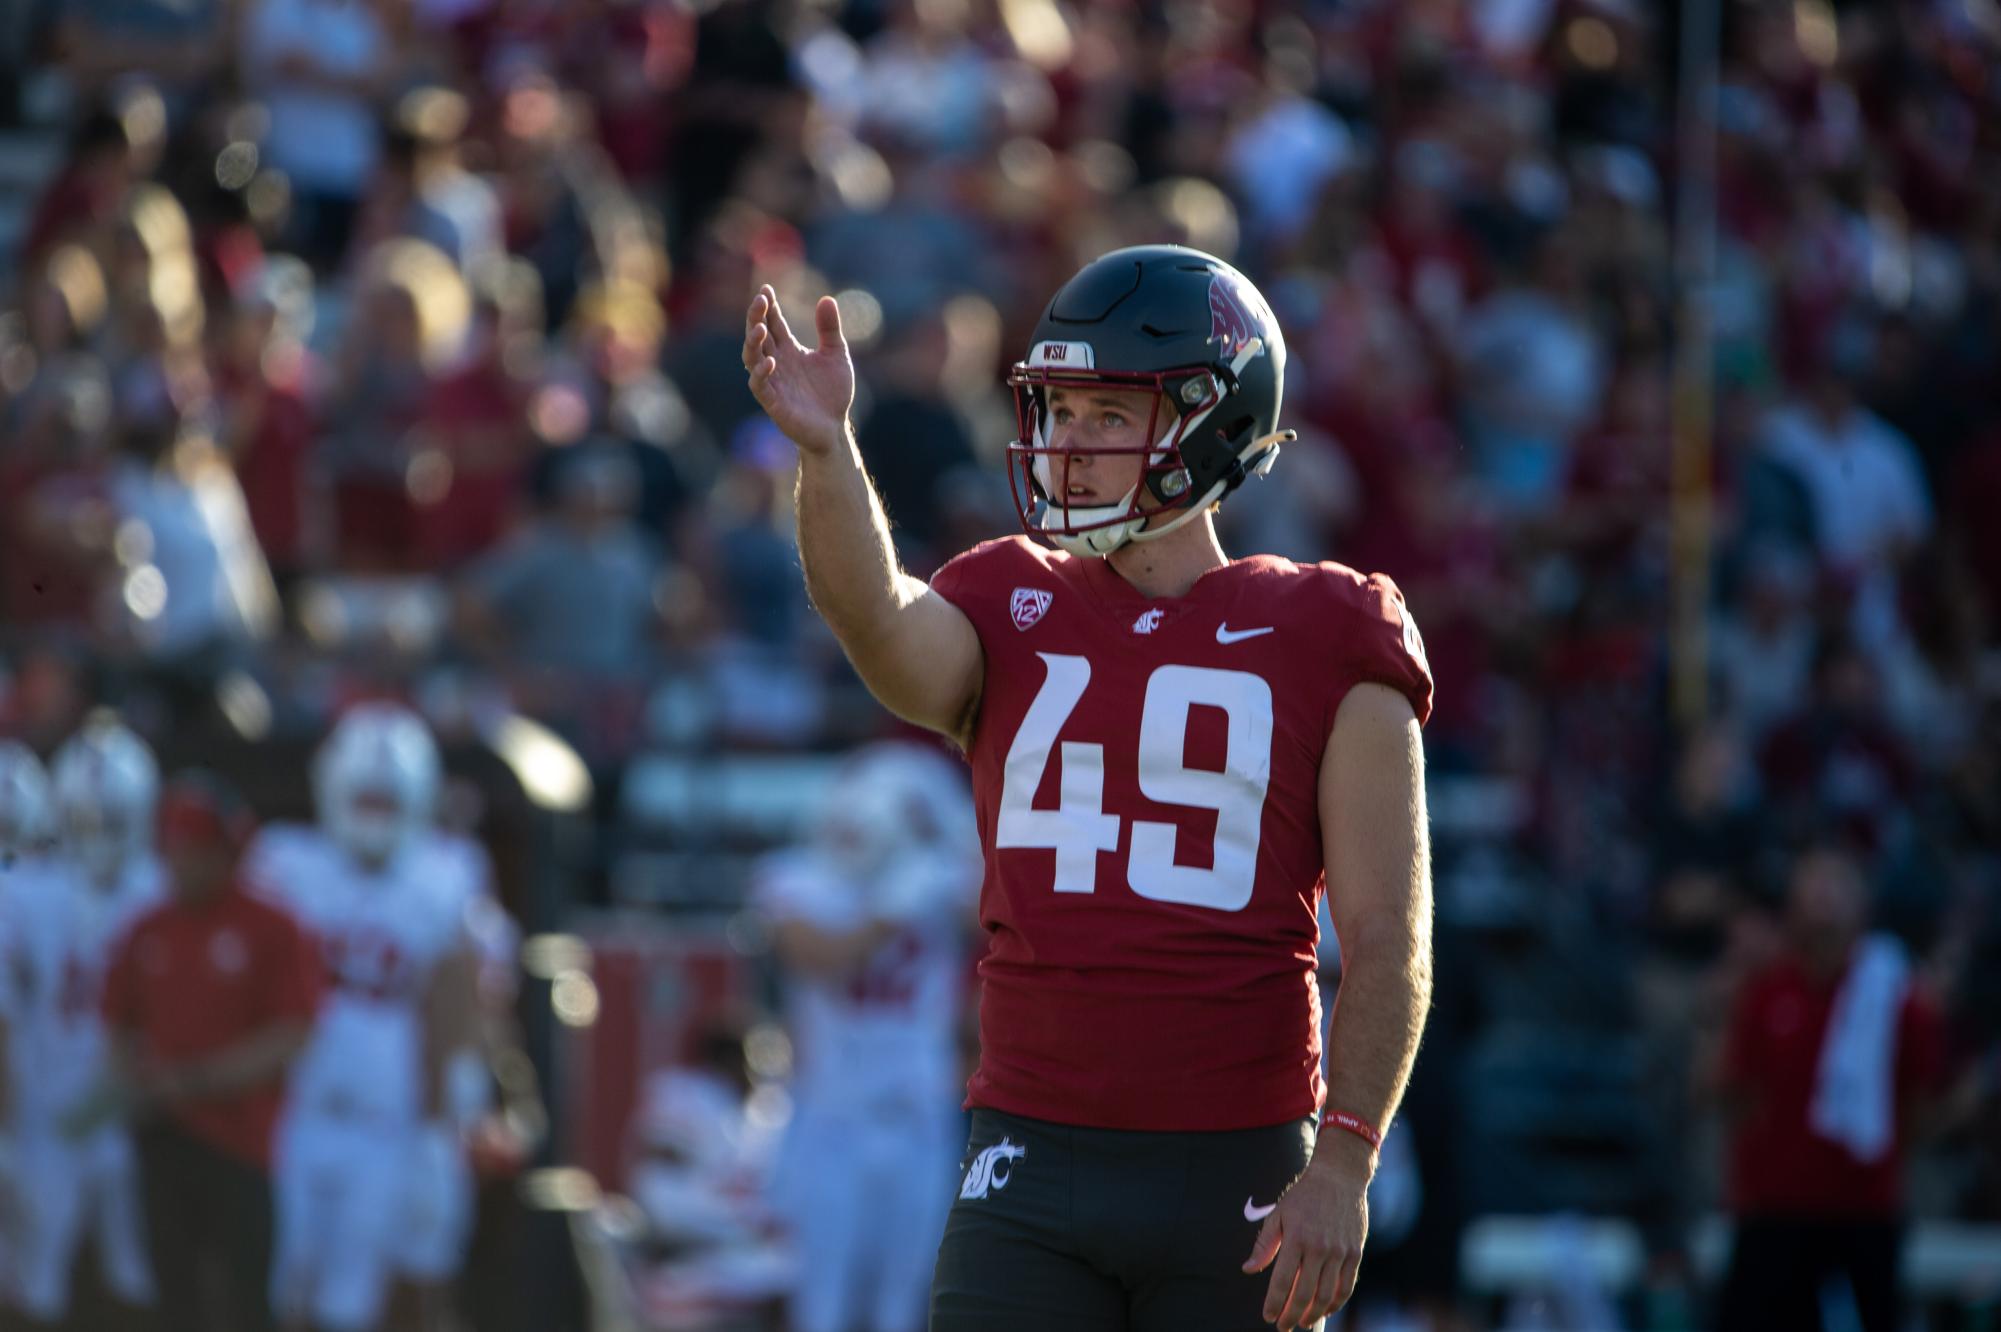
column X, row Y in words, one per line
column 1833, row 1052
column 209, row 996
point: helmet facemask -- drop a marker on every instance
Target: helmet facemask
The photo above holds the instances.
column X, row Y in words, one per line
column 1039, row 470
column 1191, row 396
column 106, row 787
column 1182, row 327
column 375, row 782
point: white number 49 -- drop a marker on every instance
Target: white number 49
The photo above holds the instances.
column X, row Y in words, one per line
column 1078, row 828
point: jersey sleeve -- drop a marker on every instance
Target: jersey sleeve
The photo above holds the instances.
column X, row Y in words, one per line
column 1377, row 642
column 970, row 579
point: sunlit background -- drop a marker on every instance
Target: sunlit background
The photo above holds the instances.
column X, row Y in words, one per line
column 389, row 348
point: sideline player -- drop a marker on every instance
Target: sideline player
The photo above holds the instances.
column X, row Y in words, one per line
column 1169, row 750
column 400, row 1002
column 78, row 1173
column 27, row 835
column 869, row 919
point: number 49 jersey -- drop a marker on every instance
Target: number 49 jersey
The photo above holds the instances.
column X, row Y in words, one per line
column 1147, row 776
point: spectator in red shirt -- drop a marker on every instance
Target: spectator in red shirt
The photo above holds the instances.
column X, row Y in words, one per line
column 1831, row 1049
column 208, row 997
column 475, row 423
column 264, row 377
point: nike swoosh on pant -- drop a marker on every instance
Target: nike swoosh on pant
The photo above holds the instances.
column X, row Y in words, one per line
column 1252, row 1212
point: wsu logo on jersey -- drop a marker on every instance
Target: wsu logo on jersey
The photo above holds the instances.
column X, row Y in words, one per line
column 1148, row 621
column 1028, row 605
column 1230, row 319
column 987, row 1172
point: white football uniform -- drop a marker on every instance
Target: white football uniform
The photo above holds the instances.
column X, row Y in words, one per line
column 23, row 880
column 865, row 1173
column 439, row 1192
column 352, row 1129
column 73, row 1178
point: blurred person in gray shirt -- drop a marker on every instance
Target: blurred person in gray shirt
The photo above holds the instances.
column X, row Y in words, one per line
column 575, row 593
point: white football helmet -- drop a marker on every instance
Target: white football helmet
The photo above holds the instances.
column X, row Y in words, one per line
column 27, row 819
column 887, row 799
column 106, row 787
column 376, row 781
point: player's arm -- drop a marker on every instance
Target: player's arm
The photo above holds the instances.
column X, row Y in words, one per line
column 815, row 951
column 916, row 651
column 452, row 1028
column 1373, row 825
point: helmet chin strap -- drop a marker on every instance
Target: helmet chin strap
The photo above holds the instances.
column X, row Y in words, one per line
column 1257, row 457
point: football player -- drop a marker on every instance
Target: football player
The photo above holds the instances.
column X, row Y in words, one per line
column 869, row 918
column 77, row 1172
column 440, row 1196
column 1174, row 754
column 356, row 1141
column 27, row 832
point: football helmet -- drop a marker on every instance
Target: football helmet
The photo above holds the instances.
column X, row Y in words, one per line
column 26, row 817
column 887, row 798
column 1182, row 326
column 375, row 781
column 107, row 787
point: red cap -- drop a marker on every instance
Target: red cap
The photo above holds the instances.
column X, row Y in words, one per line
column 196, row 807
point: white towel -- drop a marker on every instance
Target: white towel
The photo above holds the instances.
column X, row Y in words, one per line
column 1854, row 1095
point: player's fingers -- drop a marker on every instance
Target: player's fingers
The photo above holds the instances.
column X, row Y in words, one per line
column 753, row 316
column 827, row 315
column 1327, row 1292
column 1351, row 1272
column 1312, row 1271
column 781, row 331
column 753, row 345
column 760, row 376
column 1284, row 1275
column 1265, row 1247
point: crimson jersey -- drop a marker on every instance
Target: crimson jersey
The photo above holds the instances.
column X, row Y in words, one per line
column 1147, row 775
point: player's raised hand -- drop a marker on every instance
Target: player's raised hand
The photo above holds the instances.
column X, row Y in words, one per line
column 1316, row 1235
column 806, row 392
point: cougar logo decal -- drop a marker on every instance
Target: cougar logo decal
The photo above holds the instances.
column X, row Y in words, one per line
column 991, row 1169
column 1230, row 319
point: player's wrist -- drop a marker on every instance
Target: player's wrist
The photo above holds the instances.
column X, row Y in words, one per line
column 1347, row 1143
column 828, row 442
column 1339, row 1154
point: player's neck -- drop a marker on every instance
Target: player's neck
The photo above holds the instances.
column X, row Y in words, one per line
column 1169, row 567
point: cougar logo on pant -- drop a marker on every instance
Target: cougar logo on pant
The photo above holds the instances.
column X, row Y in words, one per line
column 991, row 1169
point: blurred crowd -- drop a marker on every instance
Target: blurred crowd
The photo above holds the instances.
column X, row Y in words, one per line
column 390, row 347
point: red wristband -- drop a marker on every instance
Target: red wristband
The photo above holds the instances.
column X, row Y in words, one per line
column 1361, row 1128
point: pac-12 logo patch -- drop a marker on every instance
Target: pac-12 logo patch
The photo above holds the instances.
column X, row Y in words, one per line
column 991, row 1169
column 1028, row 605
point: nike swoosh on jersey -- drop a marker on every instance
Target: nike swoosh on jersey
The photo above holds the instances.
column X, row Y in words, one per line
column 1225, row 634
column 1252, row 1212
